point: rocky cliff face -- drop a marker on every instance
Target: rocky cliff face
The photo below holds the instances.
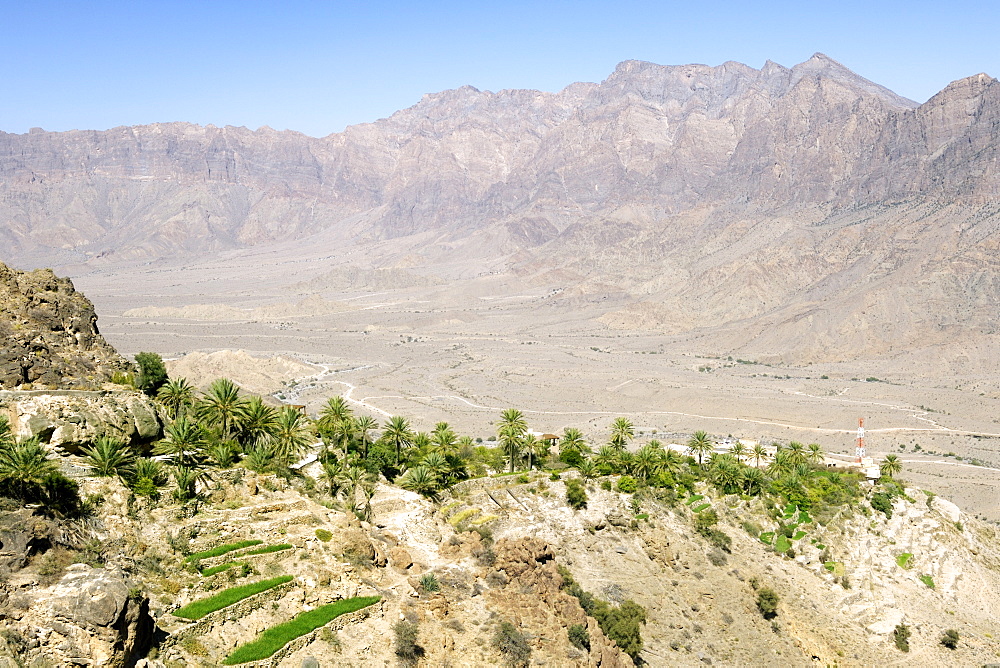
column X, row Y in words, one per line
column 49, row 333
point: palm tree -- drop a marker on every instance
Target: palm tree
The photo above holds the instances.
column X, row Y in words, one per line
column 782, row 464
column 336, row 421
column 443, row 439
column 621, row 433
column 758, row 453
column 6, row 435
column 254, row 423
column 797, row 452
column 223, row 453
column 672, row 461
column 647, row 462
column 700, row 445
column 362, row 426
column 221, row 406
column 187, row 480
column 753, row 481
column 176, row 396
column 184, row 440
column 890, row 466
column 607, row 459
column 437, row 464
column 738, row 450
column 420, row 480
column 726, row 474
column 588, row 469
column 109, row 457
column 24, row 467
column 815, row 455
column 292, row 435
column 511, row 431
column 397, row 431
column 573, row 440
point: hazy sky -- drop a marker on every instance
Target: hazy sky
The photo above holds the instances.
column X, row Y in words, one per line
column 319, row 66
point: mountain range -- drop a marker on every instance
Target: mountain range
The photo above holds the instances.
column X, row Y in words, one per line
column 803, row 213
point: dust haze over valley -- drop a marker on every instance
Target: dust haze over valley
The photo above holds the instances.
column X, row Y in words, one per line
column 719, row 248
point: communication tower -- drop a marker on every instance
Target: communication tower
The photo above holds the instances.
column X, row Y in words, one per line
column 860, row 447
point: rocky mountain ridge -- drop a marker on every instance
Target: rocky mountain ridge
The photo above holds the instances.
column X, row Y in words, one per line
column 804, row 214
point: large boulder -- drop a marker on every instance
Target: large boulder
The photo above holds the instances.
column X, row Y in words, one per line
column 69, row 418
column 92, row 616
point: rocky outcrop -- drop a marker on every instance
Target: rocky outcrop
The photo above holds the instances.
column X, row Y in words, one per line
column 49, row 333
column 91, row 617
column 71, row 418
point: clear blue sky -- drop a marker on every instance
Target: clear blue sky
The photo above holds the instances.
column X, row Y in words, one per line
column 319, row 66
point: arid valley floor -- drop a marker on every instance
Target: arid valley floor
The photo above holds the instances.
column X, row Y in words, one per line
column 434, row 353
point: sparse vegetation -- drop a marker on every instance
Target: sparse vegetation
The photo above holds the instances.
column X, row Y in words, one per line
column 512, row 644
column 767, row 602
column 405, row 645
column 576, row 495
column 621, row 623
column 950, row 639
column 901, row 637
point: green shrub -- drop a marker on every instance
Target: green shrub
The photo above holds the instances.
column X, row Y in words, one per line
column 901, row 637
column 701, row 507
column 200, row 608
column 950, row 639
column 606, row 485
column 882, row 503
column 927, row 580
column 767, row 602
column 627, row 484
column 904, row 560
column 555, row 476
column 152, row 372
column 621, row 624
column 429, row 582
column 579, row 637
column 576, row 495
column 512, row 645
column 223, row 549
column 276, row 637
column 324, row 535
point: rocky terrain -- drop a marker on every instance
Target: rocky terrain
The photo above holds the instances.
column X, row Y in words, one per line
column 700, row 601
column 50, row 335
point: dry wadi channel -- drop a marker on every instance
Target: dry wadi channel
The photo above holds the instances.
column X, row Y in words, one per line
column 432, row 365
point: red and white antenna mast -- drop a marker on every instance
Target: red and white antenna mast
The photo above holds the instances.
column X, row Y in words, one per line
column 860, row 447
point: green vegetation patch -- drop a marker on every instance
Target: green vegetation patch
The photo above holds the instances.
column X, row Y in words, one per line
column 225, row 598
column 642, row 516
column 460, row 517
column 268, row 549
column 905, row 560
column 324, row 535
column 799, row 535
column 782, row 543
column 835, row 567
column 276, row 637
column 218, row 569
column 927, row 580
column 223, row 549
column 701, row 507
column 767, row 537
column 804, row 518
column 693, row 498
